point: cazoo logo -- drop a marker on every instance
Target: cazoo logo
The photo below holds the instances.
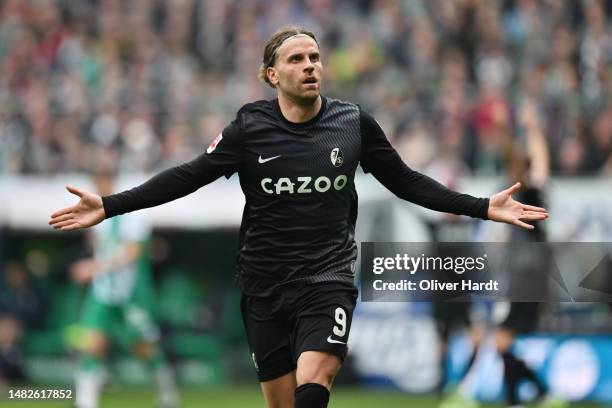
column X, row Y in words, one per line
column 303, row 185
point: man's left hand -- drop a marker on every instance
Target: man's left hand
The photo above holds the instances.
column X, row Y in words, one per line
column 502, row 208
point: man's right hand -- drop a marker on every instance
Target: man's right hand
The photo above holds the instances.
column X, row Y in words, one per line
column 87, row 212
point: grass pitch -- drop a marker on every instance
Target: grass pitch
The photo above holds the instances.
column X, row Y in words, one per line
column 250, row 397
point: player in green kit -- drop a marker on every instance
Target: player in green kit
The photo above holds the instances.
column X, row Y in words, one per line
column 120, row 300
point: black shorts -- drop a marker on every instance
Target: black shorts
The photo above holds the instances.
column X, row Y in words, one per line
column 279, row 328
column 523, row 317
column 451, row 316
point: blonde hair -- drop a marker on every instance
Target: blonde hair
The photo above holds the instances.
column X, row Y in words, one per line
column 274, row 43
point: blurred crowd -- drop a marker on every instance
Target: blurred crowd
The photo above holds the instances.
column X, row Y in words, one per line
column 152, row 82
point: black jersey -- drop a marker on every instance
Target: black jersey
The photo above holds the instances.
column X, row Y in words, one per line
column 535, row 196
column 298, row 180
column 529, row 265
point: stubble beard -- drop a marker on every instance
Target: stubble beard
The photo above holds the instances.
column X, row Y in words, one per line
column 306, row 99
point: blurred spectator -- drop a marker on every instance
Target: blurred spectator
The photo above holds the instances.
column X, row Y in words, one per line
column 11, row 359
column 21, row 308
column 20, row 298
column 157, row 80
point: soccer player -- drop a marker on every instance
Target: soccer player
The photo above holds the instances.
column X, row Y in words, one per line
column 296, row 157
column 120, row 298
column 527, row 264
column 530, row 268
column 452, row 317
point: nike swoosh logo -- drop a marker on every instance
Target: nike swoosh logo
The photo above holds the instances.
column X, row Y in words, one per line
column 330, row 340
column 261, row 160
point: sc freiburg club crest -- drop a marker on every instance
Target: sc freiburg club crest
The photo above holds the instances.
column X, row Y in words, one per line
column 337, row 158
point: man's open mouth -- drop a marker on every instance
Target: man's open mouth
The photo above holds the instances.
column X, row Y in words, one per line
column 310, row 81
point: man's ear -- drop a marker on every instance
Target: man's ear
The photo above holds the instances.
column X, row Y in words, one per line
column 272, row 74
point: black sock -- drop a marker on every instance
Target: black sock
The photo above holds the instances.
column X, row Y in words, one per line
column 443, row 371
column 515, row 370
column 511, row 377
column 311, row 395
column 525, row 372
column 470, row 362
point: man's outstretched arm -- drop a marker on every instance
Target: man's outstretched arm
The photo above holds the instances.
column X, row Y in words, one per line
column 379, row 158
column 223, row 157
column 166, row 186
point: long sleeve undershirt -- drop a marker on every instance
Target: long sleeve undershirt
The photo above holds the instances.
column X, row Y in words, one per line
column 166, row 186
column 380, row 158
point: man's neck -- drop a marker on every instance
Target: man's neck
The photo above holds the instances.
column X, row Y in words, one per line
column 296, row 112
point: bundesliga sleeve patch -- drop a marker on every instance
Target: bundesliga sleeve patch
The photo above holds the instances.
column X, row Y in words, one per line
column 214, row 144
